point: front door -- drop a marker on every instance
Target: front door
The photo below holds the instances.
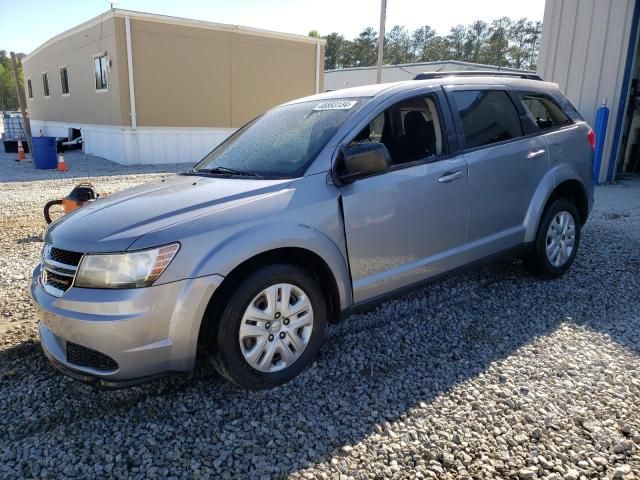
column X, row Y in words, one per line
column 408, row 223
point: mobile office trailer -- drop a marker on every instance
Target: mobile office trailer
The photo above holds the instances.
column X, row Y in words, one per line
column 146, row 88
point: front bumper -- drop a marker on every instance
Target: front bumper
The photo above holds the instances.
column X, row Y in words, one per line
column 148, row 332
column 104, row 382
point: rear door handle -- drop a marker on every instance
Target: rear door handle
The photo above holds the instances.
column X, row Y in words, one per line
column 450, row 177
column 536, row 153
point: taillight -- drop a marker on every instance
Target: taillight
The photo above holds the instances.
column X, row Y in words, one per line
column 591, row 136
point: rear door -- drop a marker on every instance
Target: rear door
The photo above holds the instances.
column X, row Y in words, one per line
column 565, row 138
column 505, row 166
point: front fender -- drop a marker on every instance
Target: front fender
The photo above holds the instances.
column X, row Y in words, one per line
column 246, row 244
column 553, row 178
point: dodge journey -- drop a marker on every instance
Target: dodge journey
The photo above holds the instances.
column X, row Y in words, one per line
column 319, row 207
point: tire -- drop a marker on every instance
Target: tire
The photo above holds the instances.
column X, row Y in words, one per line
column 229, row 339
column 547, row 265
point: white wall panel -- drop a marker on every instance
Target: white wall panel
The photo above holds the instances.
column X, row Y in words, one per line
column 147, row 145
column 353, row 77
column 584, row 49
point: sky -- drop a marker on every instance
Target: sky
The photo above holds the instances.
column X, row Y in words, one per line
column 26, row 24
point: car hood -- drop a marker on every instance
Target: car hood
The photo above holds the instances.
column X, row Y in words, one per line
column 113, row 223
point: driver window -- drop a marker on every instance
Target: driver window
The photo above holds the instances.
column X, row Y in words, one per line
column 411, row 130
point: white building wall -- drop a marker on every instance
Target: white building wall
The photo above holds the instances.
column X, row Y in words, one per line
column 144, row 145
column 357, row 76
column 584, row 49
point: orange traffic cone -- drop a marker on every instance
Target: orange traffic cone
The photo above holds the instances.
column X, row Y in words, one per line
column 62, row 167
column 21, row 155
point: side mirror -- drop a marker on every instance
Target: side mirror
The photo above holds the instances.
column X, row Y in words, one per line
column 361, row 160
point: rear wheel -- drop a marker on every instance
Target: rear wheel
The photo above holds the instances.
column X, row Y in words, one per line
column 271, row 328
column 557, row 240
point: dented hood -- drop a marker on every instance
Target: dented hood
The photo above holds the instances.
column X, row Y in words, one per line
column 114, row 222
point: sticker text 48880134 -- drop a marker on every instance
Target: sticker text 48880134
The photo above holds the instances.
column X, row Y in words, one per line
column 336, row 105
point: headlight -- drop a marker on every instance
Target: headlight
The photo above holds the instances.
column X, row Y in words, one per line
column 124, row 270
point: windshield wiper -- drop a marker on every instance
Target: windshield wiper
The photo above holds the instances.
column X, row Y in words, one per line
column 228, row 171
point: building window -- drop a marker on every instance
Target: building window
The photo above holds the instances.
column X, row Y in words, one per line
column 64, row 80
column 100, row 64
column 45, row 84
column 29, row 88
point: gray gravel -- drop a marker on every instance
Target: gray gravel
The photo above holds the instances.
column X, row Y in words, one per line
column 80, row 166
column 489, row 375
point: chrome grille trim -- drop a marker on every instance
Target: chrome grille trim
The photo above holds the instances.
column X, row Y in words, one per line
column 59, row 268
column 57, row 277
column 51, row 290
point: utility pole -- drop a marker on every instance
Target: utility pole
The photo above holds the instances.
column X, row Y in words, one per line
column 383, row 19
column 23, row 102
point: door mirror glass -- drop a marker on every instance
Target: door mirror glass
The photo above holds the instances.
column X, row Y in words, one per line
column 361, row 160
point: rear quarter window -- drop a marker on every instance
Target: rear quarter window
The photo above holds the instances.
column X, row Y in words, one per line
column 488, row 116
column 545, row 111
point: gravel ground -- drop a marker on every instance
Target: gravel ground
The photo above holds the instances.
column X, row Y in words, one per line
column 81, row 167
column 492, row 374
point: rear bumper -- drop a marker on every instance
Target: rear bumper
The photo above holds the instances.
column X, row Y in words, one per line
column 148, row 332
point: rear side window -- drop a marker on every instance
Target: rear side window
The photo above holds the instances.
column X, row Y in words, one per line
column 546, row 112
column 488, row 116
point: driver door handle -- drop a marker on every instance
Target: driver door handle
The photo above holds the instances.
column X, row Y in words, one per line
column 450, row 177
column 536, row 153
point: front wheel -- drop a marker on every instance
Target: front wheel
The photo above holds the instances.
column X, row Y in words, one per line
column 271, row 328
column 556, row 242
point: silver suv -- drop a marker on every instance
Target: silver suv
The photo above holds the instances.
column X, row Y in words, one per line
column 320, row 207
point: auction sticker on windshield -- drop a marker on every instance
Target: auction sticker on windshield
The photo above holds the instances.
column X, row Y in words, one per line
column 336, row 105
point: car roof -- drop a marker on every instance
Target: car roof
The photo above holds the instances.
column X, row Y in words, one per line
column 395, row 87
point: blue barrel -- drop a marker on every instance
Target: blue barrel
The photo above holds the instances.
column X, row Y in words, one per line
column 44, row 152
column 600, row 129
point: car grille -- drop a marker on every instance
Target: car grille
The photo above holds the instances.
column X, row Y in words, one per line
column 65, row 256
column 58, row 269
column 86, row 357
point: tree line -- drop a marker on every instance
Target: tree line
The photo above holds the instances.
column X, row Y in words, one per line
column 503, row 42
column 8, row 93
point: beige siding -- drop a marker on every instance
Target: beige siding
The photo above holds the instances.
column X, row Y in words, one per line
column 266, row 72
column 184, row 75
column 84, row 105
column 181, row 75
column 122, row 71
column 196, row 77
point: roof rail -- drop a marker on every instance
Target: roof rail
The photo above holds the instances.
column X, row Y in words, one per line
column 476, row 73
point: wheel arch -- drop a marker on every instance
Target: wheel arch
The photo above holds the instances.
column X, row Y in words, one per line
column 556, row 184
column 296, row 256
column 574, row 191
